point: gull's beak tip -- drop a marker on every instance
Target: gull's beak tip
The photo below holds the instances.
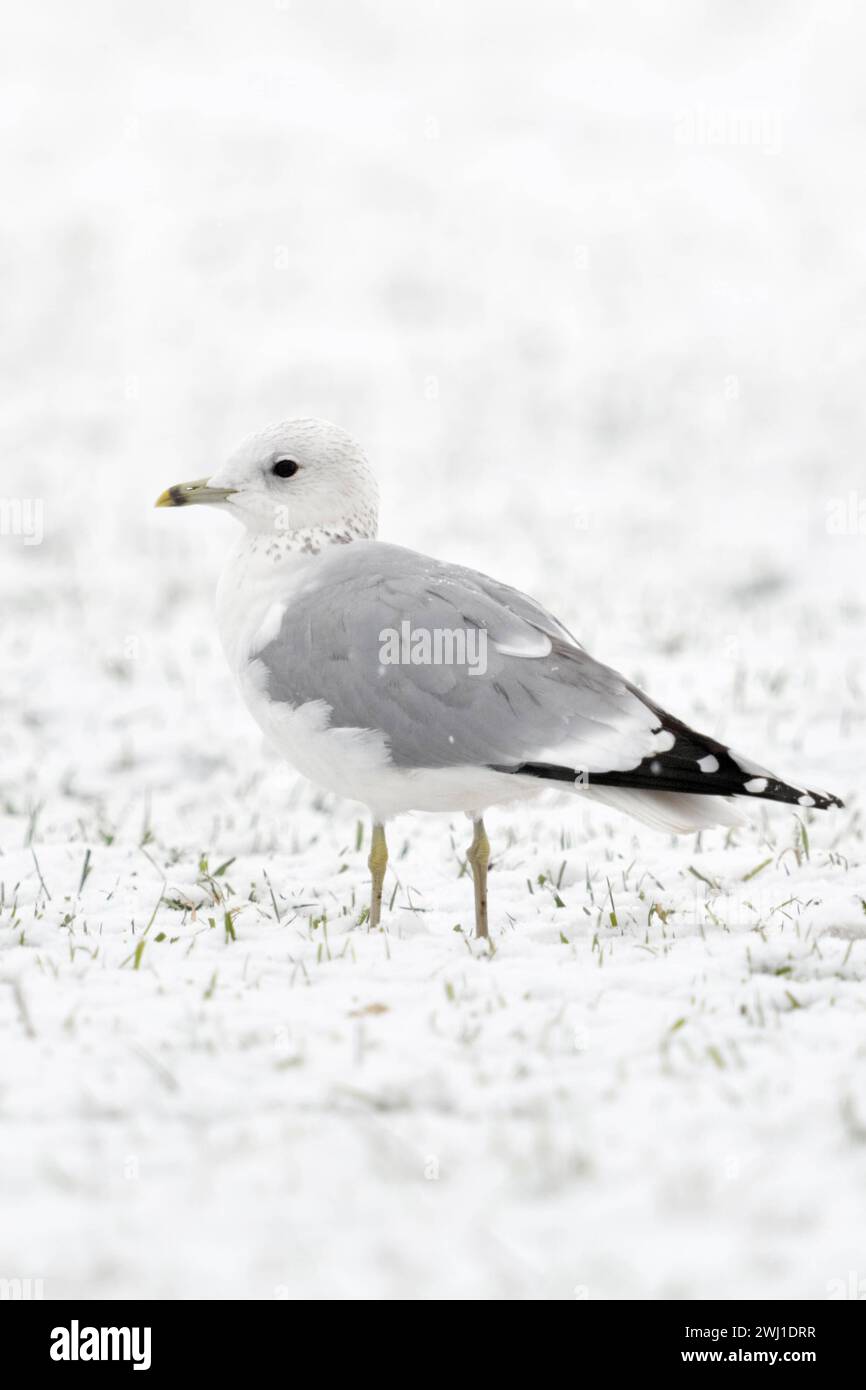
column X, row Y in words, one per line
column 187, row 494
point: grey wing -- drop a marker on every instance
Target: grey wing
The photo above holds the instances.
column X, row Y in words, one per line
column 524, row 692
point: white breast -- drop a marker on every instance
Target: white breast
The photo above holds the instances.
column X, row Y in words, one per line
column 256, row 587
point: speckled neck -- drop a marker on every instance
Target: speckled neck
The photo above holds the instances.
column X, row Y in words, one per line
column 311, row 540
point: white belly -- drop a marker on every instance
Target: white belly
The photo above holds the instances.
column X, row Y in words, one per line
column 355, row 763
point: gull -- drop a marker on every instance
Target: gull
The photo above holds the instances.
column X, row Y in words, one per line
column 410, row 684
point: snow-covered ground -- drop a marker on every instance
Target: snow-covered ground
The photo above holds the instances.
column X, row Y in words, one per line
column 588, row 281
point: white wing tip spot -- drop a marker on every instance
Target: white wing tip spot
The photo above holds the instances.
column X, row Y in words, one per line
column 709, row 764
column 756, row 785
column 806, row 800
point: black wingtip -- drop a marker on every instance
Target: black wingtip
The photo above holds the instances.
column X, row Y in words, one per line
column 653, row 775
column 821, row 801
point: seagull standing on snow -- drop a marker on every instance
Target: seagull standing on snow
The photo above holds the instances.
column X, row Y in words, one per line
column 409, row 684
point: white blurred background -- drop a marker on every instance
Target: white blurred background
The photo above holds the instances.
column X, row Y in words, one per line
column 587, row 281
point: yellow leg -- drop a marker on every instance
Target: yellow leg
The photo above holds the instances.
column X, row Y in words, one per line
column 377, row 863
column 478, row 855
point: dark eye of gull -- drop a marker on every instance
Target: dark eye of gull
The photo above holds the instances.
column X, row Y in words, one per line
column 285, row 468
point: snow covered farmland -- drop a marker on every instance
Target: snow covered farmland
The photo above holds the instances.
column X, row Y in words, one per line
column 587, row 293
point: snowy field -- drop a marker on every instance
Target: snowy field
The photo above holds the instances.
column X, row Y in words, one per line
column 588, row 282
